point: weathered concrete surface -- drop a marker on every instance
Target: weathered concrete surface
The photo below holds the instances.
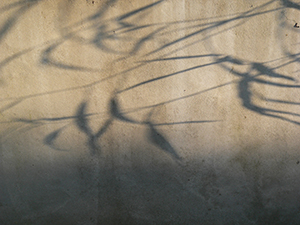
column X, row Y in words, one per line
column 149, row 112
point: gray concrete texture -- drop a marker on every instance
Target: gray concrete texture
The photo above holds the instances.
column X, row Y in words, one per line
column 149, row 112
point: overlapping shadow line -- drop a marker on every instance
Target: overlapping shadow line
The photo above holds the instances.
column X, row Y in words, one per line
column 245, row 93
column 12, row 20
column 47, row 59
column 17, row 100
column 102, row 33
column 220, row 60
column 3, row 63
column 214, row 26
column 46, row 54
column 82, row 121
column 181, row 98
column 244, row 83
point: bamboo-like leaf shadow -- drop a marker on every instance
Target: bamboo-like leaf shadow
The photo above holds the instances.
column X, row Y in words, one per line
column 246, row 94
column 83, row 124
column 156, row 138
column 116, row 112
column 50, row 139
column 47, row 59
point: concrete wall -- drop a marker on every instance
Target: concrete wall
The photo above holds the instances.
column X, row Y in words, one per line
column 149, row 112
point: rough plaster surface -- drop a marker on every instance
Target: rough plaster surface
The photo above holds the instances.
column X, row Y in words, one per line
column 149, row 112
